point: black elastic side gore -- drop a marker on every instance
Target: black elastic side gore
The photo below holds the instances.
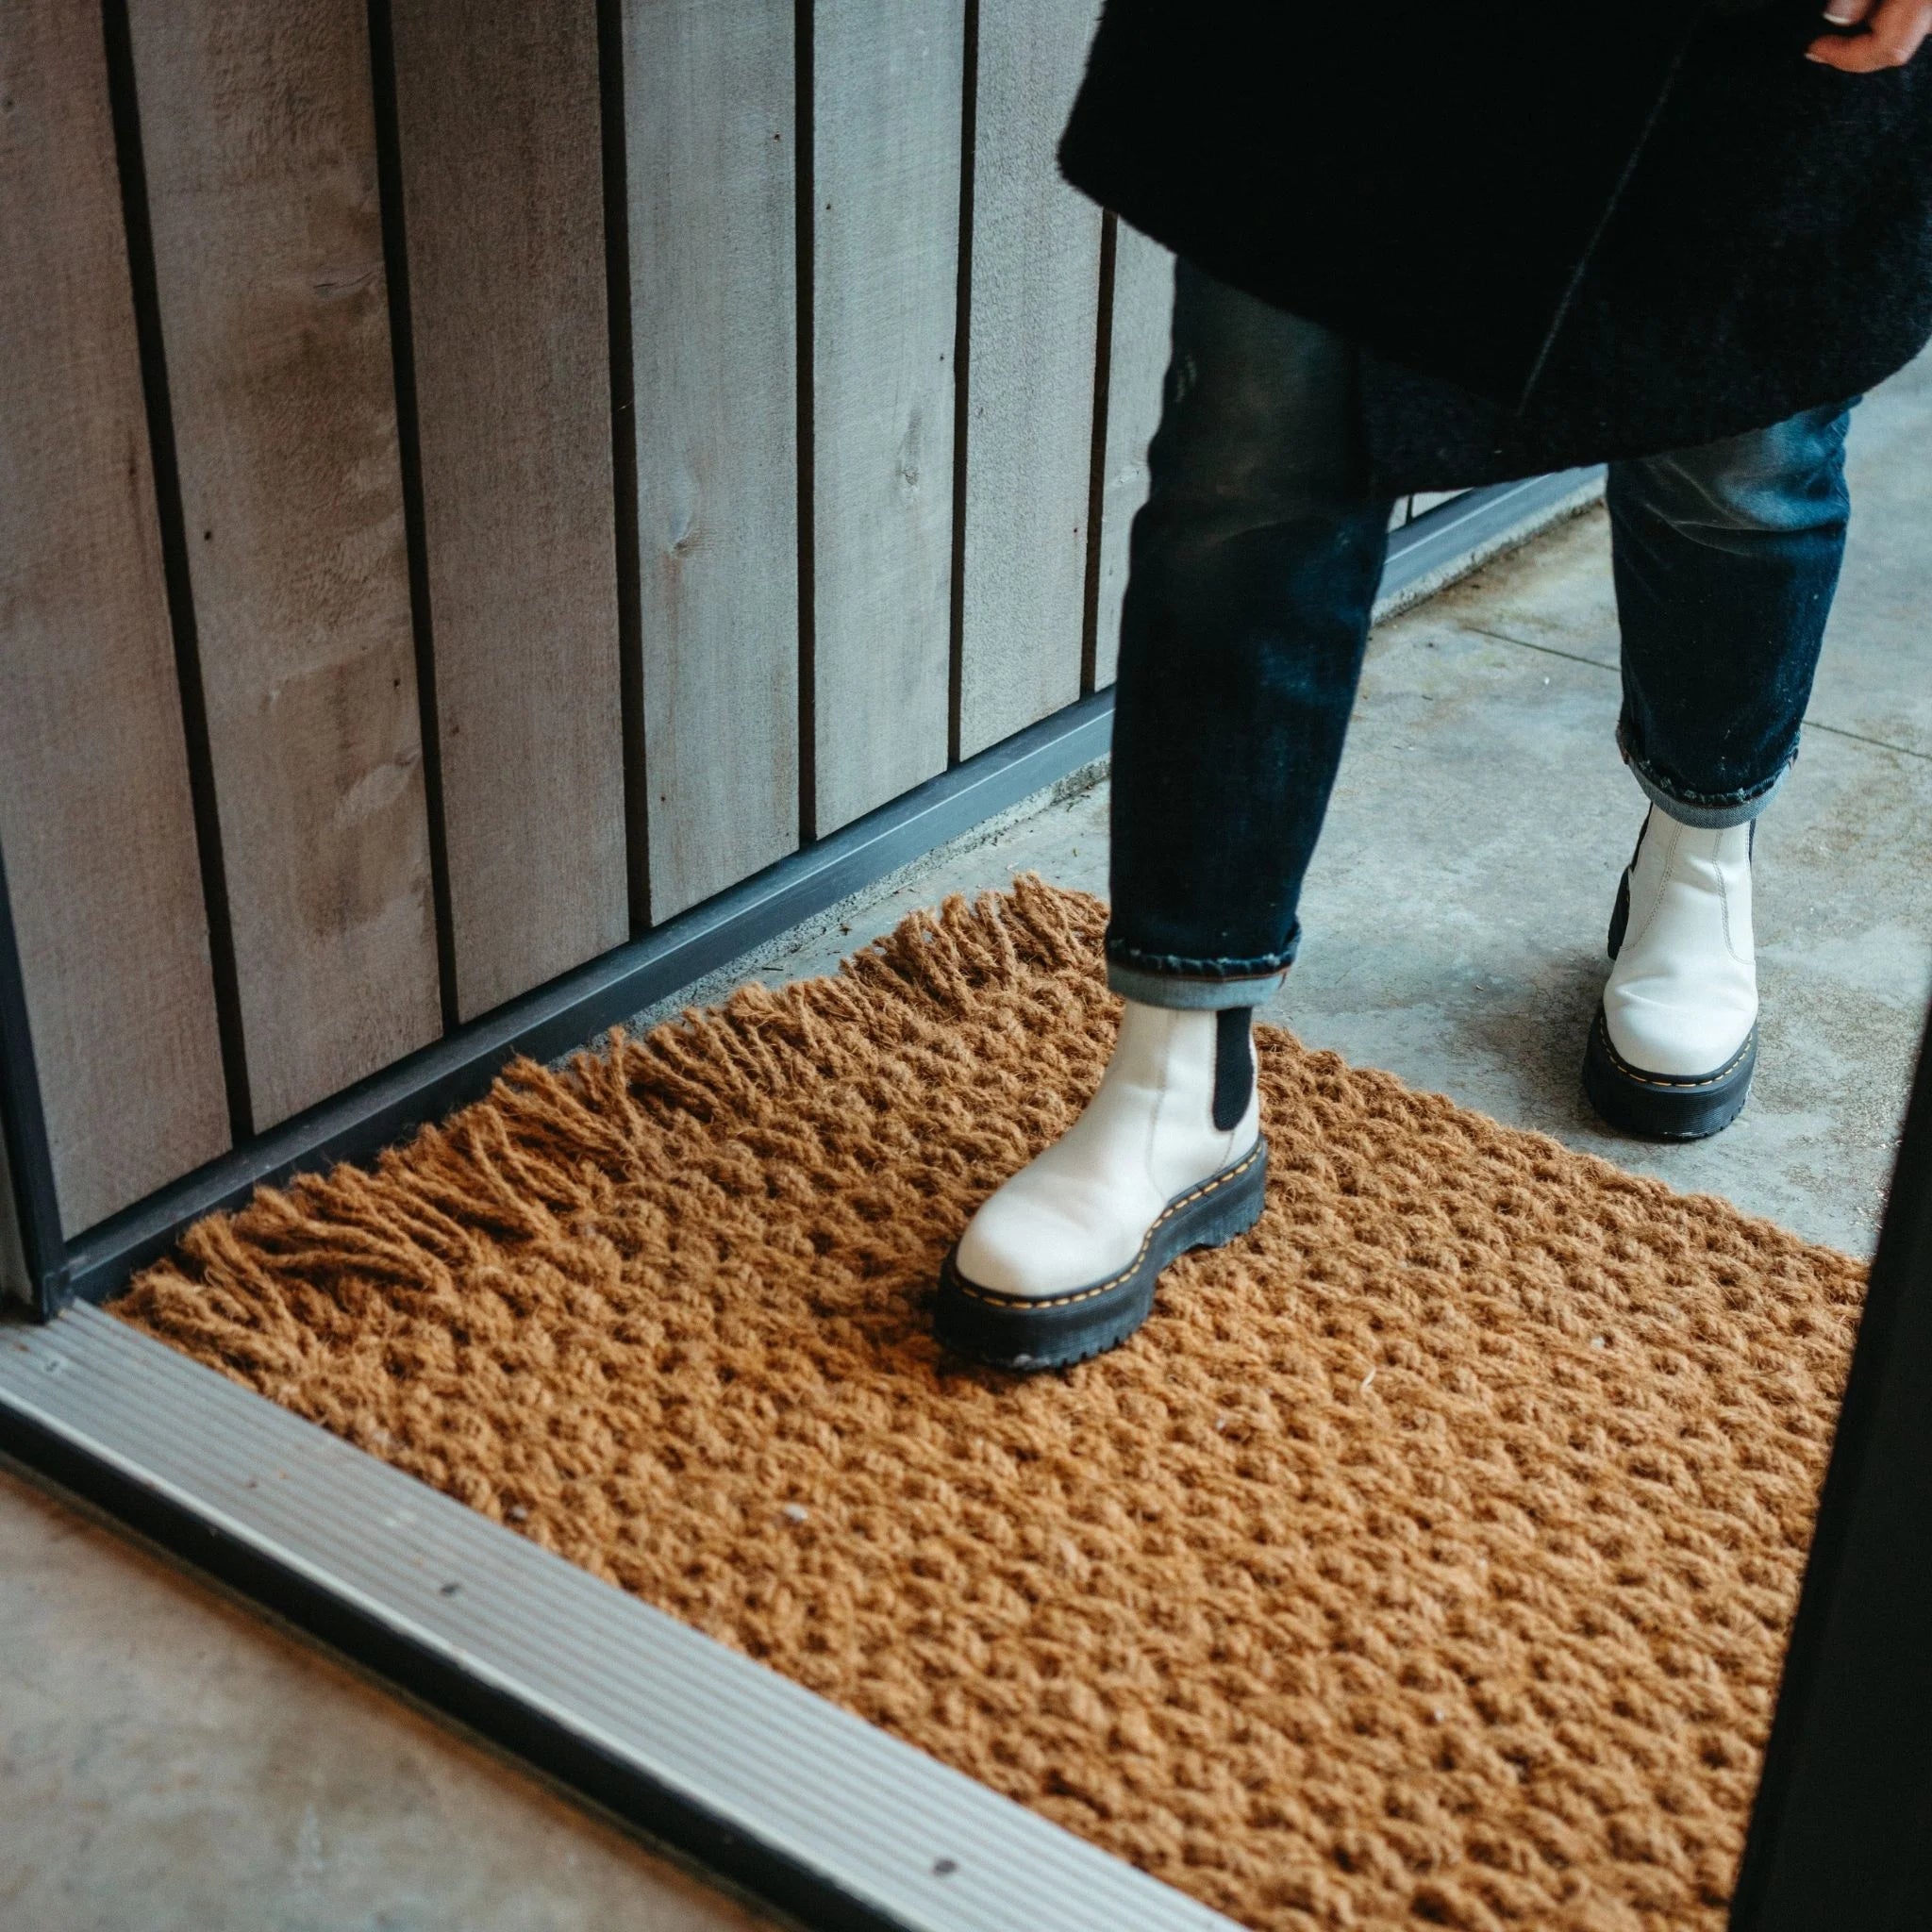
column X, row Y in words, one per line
column 1233, row 1066
column 1620, row 918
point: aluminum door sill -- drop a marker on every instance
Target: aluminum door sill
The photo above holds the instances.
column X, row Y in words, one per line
column 780, row 1792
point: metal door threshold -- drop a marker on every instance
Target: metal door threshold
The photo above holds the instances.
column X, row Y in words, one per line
column 780, row 1792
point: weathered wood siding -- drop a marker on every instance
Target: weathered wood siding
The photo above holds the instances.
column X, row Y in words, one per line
column 477, row 480
column 95, row 816
column 500, row 153
column 1033, row 307
column 886, row 99
column 710, row 121
column 259, row 131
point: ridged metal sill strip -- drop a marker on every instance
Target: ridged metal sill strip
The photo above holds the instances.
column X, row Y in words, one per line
column 781, row 1792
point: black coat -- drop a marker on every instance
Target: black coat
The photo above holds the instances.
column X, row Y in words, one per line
column 1560, row 230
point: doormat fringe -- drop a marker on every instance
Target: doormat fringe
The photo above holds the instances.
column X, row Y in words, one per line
column 1424, row 1562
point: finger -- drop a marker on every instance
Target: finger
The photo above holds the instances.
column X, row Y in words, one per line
column 1847, row 12
column 1864, row 54
column 1896, row 31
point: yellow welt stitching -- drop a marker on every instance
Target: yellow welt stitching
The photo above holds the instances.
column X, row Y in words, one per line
column 1630, row 1072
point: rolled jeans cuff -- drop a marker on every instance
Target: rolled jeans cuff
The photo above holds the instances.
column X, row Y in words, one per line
column 1703, row 813
column 1179, row 990
column 1198, row 986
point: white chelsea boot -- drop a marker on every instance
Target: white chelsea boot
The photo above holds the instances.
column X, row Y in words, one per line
column 1061, row 1263
column 1675, row 1043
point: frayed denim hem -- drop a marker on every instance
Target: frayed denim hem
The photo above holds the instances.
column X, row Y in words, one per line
column 1704, row 814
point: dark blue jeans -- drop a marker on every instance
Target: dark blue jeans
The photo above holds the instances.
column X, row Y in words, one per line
column 1254, row 566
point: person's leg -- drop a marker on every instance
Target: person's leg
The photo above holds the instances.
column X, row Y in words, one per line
column 1727, row 558
column 1253, row 569
column 1253, row 565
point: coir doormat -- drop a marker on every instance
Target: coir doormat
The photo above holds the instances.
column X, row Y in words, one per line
column 1426, row 1561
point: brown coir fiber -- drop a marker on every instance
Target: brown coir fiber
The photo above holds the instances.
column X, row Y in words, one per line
column 1425, row 1560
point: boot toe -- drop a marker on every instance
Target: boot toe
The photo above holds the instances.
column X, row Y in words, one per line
column 1020, row 1243
column 1678, row 1040
column 1063, row 1295
column 1657, row 1105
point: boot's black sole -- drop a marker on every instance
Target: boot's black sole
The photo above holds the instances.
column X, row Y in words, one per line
column 1665, row 1106
column 1055, row 1331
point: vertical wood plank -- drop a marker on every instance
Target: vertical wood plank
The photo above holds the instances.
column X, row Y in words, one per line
column 888, row 90
column 498, row 111
column 1034, row 297
column 258, row 129
column 1142, row 325
column 709, row 114
column 95, row 814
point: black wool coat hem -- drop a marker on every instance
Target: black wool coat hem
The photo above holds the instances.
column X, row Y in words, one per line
column 1557, row 236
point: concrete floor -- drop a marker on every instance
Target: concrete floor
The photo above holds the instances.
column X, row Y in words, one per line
column 170, row 1761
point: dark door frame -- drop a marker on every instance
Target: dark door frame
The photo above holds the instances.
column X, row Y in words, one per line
column 1841, row 1832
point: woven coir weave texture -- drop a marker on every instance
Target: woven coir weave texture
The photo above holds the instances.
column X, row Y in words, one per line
column 1424, row 1562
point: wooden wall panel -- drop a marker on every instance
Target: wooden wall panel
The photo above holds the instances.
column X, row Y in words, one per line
column 1034, row 297
column 498, row 113
column 257, row 127
column 94, row 808
column 888, row 90
column 710, row 113
column 1137, row 365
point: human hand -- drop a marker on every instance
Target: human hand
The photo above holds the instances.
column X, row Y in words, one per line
column 1894, row 32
